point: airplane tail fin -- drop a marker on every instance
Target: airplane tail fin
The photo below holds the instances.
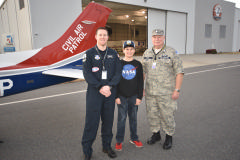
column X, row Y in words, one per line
column 79, row 37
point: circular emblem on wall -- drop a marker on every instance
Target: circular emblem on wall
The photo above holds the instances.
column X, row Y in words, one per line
column 217, row 12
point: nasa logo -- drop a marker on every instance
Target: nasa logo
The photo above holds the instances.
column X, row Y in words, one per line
column 217, row 12
column 129, row 71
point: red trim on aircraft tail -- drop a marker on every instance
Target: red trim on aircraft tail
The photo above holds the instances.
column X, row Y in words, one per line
column 79, row 37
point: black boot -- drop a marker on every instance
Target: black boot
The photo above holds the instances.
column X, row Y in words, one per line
column 168, row 142
column 87, row 157
column 110, row 153
column 155, row 137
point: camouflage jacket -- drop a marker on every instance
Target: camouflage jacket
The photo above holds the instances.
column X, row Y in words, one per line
column 160, row 70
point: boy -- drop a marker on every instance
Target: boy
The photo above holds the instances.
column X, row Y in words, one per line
column 129, row 95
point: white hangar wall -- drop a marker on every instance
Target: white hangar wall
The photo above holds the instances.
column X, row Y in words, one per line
column 16, row 21
column 7, row 15
column 236, row 35
column 204, row 22
column 51, row 18
column 1, row 30
column 40, row 23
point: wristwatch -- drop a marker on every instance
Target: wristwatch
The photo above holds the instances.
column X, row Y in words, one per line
column 178, row 90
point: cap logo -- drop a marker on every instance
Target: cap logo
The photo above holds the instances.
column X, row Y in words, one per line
column 157, row 32
column 129, row 42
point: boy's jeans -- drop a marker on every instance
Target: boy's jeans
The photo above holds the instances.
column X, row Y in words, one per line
column 127, row 106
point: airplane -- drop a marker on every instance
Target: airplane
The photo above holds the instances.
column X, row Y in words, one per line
column 56, row 63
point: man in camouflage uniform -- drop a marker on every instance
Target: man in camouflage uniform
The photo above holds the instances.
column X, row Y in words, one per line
column 163, row 72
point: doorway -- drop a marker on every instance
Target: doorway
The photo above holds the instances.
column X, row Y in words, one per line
column 126, row 22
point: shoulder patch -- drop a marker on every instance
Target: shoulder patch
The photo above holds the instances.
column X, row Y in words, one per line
column 84, row 57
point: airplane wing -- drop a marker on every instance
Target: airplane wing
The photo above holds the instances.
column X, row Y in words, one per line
column 70, row 67
column 71, row 73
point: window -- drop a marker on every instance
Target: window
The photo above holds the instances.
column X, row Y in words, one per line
column 208, row 30
column 21, row 4
column 222, row 30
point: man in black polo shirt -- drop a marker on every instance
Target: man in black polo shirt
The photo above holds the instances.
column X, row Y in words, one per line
column 102, row 72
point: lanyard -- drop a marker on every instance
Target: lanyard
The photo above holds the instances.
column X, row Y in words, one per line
column 103, row 59
column 155, row 58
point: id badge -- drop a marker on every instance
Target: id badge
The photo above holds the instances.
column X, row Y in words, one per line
column 104, row 74
column 154, row 65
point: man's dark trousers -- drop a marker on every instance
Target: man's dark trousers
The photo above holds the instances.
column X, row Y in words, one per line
column 98, row 106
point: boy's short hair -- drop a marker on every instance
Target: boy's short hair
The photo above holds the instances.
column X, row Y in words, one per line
column 128, row 43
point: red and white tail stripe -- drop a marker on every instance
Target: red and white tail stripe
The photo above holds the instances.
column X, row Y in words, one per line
column 79, row 37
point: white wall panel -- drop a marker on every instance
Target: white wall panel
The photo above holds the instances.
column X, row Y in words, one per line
column 9, row 22
column 1, row 31
column 16, row 22
column 156, row 21
column 204, row 15
column 24, row 26
column 51, row 18
column 236, row 32
column 13, row 23
column 238, row 38
column 4, row 24
column 176, row 31
column 4, row 16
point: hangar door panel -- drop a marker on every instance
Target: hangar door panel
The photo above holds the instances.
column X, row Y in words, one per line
column 176, row 31
column 156, row 19
column 4, row 19
column 238, row 40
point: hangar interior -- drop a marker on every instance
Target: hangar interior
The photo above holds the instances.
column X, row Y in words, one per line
column 126, row 22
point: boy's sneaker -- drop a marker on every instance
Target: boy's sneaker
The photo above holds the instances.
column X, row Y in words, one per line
column 118, row 147
column 137, row 143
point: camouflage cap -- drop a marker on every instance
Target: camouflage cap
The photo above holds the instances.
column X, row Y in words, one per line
column 158, row 32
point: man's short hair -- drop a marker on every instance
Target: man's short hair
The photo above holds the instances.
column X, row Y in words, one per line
column 104, row 28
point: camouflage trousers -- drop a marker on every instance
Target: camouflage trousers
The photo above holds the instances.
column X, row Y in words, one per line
column 160, row 113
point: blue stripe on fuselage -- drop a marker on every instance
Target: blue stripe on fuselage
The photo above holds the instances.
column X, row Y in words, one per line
column 31, row 81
